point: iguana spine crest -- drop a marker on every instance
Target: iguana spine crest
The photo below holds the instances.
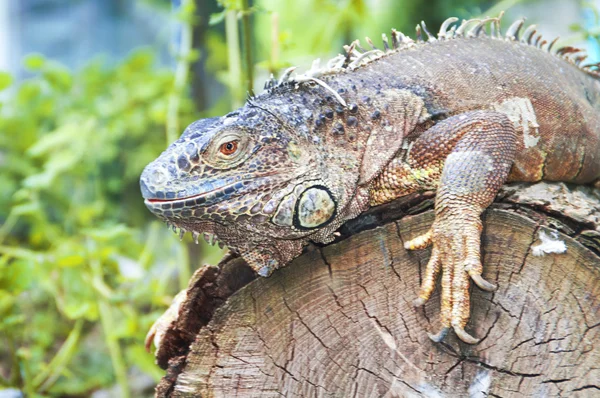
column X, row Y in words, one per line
column 356, row 56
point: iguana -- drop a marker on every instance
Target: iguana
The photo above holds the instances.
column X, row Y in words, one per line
column 461, row 113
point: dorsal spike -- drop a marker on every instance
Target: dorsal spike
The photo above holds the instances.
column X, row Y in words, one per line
column 356, row 62
column 594, row 65
column 498, row 23
column 405, row 39
column 271, row 82
column 336, row 62
column 444, row 28
column 195, row 236
column 529, row 32
column 463, row 26
column 386, row 44
column 552, row 43
column 349, row 52
column 476, row 30
column 430, row 37
column 351, row 49
column 359, row 48
column 567, row 50
column 452, row 32
column 542, row 44
column 418, row 34
column 286, row 75
column 370, row 43
column 580, row 59
column 395, row 39
column 315, row 67
column 537, row 41
column 493, row 33
column 513, row 31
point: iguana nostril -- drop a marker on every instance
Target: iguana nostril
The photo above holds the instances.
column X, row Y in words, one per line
column 152, row 182
column 158, row 177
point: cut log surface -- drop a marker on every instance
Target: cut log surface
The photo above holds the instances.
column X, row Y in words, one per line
column 339, row 320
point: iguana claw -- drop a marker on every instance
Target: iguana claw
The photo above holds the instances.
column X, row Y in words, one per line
column 464, row 336
column 482, row 283
column 455, row 254
column 438, row 337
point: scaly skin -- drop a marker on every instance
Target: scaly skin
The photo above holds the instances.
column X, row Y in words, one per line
column 461, row 115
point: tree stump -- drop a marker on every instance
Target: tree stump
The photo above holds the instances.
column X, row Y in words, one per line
column 338, row 321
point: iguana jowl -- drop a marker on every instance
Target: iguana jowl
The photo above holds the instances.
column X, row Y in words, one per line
column 461, row 114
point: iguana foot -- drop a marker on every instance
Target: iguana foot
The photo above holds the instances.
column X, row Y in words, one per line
column 455, row 253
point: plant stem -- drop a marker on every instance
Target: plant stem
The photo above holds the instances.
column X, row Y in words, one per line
column 45, row 379
column 108, row 327
column 233, row 54
column 274, row 64
column 181, row 76
column 151, row 241
column 246, row 31
column 8, row 225
column 17, row 252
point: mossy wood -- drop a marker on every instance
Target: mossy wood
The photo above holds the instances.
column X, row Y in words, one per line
column 339, row 320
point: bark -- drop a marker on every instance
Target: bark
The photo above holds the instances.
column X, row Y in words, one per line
column 338, row 321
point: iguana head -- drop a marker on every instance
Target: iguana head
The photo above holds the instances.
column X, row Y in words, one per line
column 290, row 166
column 261, row 186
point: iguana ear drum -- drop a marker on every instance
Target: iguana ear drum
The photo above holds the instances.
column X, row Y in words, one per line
column 315, row 208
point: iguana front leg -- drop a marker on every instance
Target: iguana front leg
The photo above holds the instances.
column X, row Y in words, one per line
column 468, row 157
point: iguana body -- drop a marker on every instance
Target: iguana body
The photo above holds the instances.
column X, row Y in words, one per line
column 461, row 115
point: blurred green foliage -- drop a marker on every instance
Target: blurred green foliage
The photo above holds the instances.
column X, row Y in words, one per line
column 84, row 268
column 80, row 254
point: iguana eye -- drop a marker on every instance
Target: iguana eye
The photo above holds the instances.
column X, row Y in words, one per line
column 229, row 148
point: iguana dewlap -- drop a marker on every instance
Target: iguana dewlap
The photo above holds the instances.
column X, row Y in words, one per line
column 461, row 114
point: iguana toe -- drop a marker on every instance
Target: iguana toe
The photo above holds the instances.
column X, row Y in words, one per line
column 420, row 242
column 455, row 254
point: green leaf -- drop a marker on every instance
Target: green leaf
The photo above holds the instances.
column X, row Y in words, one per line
column 216, row 18
column 5, row 80
column 6, row 301
column 58, row 75
column 34, row 62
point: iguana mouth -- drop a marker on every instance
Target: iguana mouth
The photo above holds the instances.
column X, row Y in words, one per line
column 176, row 199
column 216, row 192
column 219, row 191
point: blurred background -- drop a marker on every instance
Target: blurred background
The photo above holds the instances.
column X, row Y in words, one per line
column 93, row 90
